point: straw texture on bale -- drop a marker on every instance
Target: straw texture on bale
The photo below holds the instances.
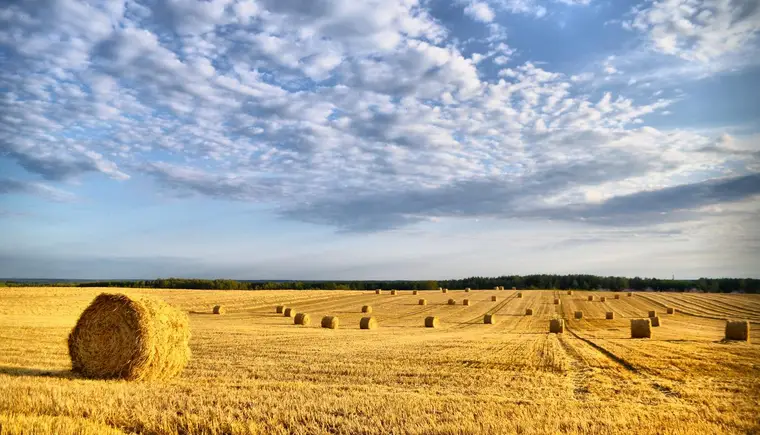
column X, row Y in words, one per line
column 579, row 314
column 494, row 298
column 489, row 319
column 617, row 296
column 610, row 315
column 452, row 302
column 330, row 322
column 529, row 311
column 432, row 322
column 737, row 330
column 671, row 310
column 466, row 302
column 603, row 299
column 218, row 309
column 289, row 312
column 556, row 326
column 118, row 336
column 655, row 320
column 279, row 309
column 302, row 319
column 641, row 328
column 652, row 313
column 393, row 292
column 591, row 298
column 366, row 309
column 368, row 323
column 556, row 301
column 422, row 302
column 519, row 295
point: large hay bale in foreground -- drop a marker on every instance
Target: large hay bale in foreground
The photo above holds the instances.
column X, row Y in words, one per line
column 466, row 302
column 556, row 326
column 366, row 309
column 529, row 311
column 579, row 315
column 610, row 315
column 489, row 319
column 641, row 328
column 218, row 309
column 368, row 323
column 422, row 302
column 279, row 309
column 671, row 310
column 432, row 322
column 655, row 321
column 653, row 314
column 133, row 338
column 452, row 302
column 302, row 319
column 289, row 312
column 330, row 322
column 737, row 330
column 494, row 299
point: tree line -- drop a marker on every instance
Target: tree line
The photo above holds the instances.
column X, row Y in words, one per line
column 526, row 282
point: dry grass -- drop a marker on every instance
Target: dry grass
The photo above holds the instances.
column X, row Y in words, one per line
column 253, row 372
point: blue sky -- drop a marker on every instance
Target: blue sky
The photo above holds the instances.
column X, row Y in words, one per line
column 408, row 139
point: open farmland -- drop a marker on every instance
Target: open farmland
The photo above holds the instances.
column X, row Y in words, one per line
column 254, row 371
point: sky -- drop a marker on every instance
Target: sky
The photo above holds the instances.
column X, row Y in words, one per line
column 383, row 139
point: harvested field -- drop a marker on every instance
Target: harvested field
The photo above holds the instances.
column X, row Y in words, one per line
column 252, row 371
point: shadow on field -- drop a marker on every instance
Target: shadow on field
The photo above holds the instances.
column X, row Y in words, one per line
column 22, row 371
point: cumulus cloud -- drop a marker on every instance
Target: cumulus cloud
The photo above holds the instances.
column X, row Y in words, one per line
column 479, row 11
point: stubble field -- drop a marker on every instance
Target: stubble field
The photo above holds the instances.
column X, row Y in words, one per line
column 253, row 371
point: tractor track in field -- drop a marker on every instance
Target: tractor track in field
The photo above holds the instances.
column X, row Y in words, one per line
column 690, row 313
column 495, row 309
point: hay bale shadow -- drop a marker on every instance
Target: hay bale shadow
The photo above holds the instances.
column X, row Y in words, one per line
column 24, row 371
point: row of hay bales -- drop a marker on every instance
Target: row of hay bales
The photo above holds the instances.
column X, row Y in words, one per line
column 328, row 322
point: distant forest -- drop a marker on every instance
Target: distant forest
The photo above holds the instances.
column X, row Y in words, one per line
column 527, row 282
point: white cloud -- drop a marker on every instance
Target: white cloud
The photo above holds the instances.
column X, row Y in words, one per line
column 479, row 11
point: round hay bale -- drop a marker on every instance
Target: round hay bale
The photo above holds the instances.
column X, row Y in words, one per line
column 368, row 323
column 519, row 295
column 393, row 292
column 452, row 302
column 414, row 292
column 556, row 301
column 579, row 315
column 289, row 312
column 132, row 338
column 302, row 319
column 444, row 290
column 489, row 319
column 467, row 290
column 609, row 315
column 330, row 322
column 529, row 311
column 218, row 309
column 591, row 299
column 279, row 309
column 617, row 296
column 603, row 299
column 641, row 328
column 569, row 292
column 497, row 288
column 514, row 288
column 440, row 289
column 737, row 330
column 378, row 292
column 466, row 302
column 494, row 299
column 366, row 309
column 655, row 321
column 556, row 326
column 652, row 314
column 422, row 302
column 671, row 310
column 432, row 322
column 630, row 294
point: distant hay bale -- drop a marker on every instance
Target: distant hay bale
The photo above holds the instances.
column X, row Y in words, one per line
column 617, row 296
column 497, row 288
column 603, row 299
column 569, row 292
column 529, row 311
column 591, row 299
column 514, row 288
column 737, row 330
column 414, row 292
column 655, row 320
column 652, row 314
column 289, row 312
column 440, row 289
column 132, row 338
column 279, row 309
column 579, row 315
column 302, row 319
column 519, row 295
column 556, row 326
column 494, row 299
column 452, row 302
column 556, row 301
column 393, row 292
column 467, row 290
column 489, row 319
column 368, row 323
column 641, row 328
column 378, row 292
column 466, row 302
column 610, row 315
column 501, row 287
column 630, row 294
column 330, row 322
column 218, row 309
column 444, row 290
column 671, row 310
column 422, row 302
column 366, row 309
column 432, row 322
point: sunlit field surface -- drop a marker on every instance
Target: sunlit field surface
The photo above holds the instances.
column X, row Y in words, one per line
column 254, row 371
